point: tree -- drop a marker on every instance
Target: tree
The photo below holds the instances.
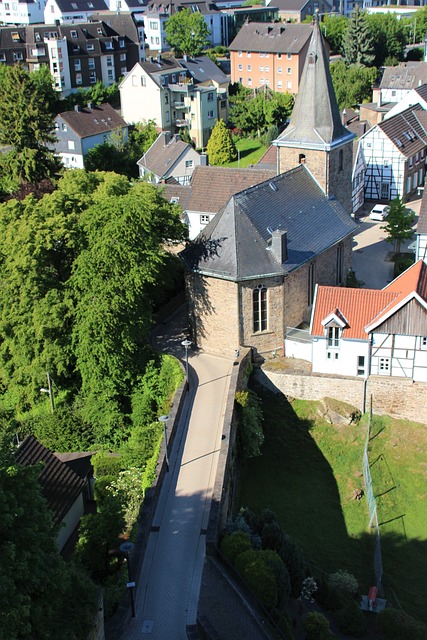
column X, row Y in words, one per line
column 357, row 42
column 41, row 596
column 221, row 148
column 334, row 28
column 399, row 223
column 256, row 112
column 27, row 124
column 389, row 37
column 352, row 85
column 187, row 32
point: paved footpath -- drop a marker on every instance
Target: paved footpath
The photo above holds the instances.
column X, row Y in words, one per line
column 169, row 584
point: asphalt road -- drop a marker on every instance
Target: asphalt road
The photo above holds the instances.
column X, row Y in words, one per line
column 371, row 259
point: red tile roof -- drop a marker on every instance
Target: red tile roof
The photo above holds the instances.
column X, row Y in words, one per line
column 364, row 309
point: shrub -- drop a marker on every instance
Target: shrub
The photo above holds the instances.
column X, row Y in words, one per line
column 234, row 544
column 106, row 464
column 316, row 627
column 398, row 625
column 261, row 579
column 275, row 563
column 250, row 432
column 291, row 555
column 344, row 581
column 351, row 620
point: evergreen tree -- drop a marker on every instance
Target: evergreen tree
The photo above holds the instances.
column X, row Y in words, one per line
column 27, row 125
column 399, row 223
column 357, row 41
column 221, row 148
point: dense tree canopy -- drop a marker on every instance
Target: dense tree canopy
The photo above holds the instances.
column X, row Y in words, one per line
column 221, row 148
column 353, row 84
column 399, row 223
column 187, row 32
column 255, row 112
column 357, row 45
column 78, row 269
column 389, row 37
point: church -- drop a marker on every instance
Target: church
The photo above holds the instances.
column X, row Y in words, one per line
column 252, row 271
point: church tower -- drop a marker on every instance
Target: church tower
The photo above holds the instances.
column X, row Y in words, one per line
column 315, row 135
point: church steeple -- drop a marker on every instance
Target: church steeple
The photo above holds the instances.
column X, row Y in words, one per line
column 315, row 134
column 315, row 120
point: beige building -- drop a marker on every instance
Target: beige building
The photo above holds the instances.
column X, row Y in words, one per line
column 252, row 272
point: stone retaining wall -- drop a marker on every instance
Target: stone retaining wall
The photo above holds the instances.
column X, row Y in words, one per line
column 396, row 397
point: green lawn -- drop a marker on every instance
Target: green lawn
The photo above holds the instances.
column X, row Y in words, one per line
column 307, row 475
column 251, row 151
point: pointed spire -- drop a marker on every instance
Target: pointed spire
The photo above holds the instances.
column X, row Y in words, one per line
column 315, row 120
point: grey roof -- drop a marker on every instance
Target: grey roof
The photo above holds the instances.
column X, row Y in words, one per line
column 160, row 66
column 272, row 37
column 177, row 193
column 315, row 120
column 163, row 154
column 71, row 6
column 422, row 91
column 235, row 245
column 203, row 69
column 60, row 485
column 407, row 130
column 405, row 76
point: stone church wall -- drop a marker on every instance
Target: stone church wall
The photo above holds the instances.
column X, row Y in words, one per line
column 273, row 337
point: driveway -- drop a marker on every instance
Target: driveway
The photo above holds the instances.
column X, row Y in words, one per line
column 371, row 259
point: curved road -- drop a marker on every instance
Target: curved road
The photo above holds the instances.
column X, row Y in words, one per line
column 169, row 584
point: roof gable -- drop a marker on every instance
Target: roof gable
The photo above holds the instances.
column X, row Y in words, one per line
column 164, row 153
column 60, row 485
column 407, row 130
column 271, row 37
column 91, row 121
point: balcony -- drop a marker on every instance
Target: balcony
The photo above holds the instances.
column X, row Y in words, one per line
column 181, row 106
column 182, row 123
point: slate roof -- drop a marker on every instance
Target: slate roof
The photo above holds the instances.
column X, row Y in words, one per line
column 235, row 245
column 407, row 130
column 178, row 193
column 365, row 309
column 163, row 153
column 90, row 121
column 272, row 37
column 212, row 187
column 405, row 76
column 203, row 69
column 158, row 67
column 71, row 6
column 315, row 120
column 358, row 306
column 60, row 485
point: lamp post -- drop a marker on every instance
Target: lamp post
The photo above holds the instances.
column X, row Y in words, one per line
column 163, row 420
column 49, row 391
column 126, row 548
column 186, row 344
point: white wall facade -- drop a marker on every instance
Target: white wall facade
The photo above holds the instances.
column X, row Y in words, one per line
column 12, row 12
column 52, row 12
column 358, row 179
column 421, row 247
column 72, row 160
column 401, row 356
column 59, row 64
column 141, row 98
column 385, row 166
column 410, row 99
column 342, row 361
column 70, row 521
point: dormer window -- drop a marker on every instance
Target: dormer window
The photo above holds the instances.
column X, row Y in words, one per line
column 334, row 335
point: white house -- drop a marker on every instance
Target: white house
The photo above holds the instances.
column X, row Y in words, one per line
column 169, row 158
column 22, row 12
column 80, row 130
column 363, row 332
column 391, row 157
column 71, row 11
column 421, row 231
column 397, row 82
column 413, row 97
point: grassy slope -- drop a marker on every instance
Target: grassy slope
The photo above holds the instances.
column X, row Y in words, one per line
column 251, row 151
column 308, row 473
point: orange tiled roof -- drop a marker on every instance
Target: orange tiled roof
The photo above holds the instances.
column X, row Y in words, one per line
column 366, row 308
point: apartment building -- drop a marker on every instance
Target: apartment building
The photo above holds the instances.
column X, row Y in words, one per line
column 271, row 55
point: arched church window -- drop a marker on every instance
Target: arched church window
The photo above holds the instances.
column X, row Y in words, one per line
column 301, row 159
column 259, row 303
column 311, row 283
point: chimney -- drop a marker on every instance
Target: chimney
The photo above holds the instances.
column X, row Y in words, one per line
column 279, row 245
column 185, row 57
column 77, row 107
column 167, row 137
column 90, row 105
column 203, row 160
column 344, row 117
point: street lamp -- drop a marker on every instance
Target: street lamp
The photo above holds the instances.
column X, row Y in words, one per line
column 126, row 548
column 163, row 420
column 186, row 344
column 49, row 391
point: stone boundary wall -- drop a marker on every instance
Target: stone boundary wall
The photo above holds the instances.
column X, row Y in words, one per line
column 396, row 397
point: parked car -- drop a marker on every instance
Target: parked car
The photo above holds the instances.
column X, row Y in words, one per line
column 379, row 212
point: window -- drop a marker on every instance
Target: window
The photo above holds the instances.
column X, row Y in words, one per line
column 279, row 69
column 384, row 365
column 279, row 56
column 204, row 219
column 64, row 127
column 261, row 69
column 334, row 337
column 92, row 77
column 143, row 81
column 71, row 144
column 210, row 96
column 109, row 45
column 289, row 56
column 408, row 184
column 279, row 84
column 259, row 305
column 77, row 64
column 123, row 71
column 341, row 160
column 248, row 54
column 76, row 48
column 249, row 67
column 122, row 57
column 239, row 54
column 154, row 25
column 289, row 70
column 99, row 30
column 73, row 33
column 168, row 116
column 91, row 63
column 109, row 61
column 411, row 162
column 18, row 55
column 240, row 67
column 210, row 114
column 267, row 69
column 91, row 47
column 121, row 43
column 79, row 78
column 189, row 164
column 166, row 99
column 261, row 81
column 311, row 283
column 340, row 265
column 249, row 81
column 110, row 74
column 360, row 365
column 423, row 343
